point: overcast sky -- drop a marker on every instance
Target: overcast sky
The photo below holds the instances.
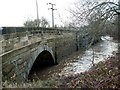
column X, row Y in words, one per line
column 16, row 12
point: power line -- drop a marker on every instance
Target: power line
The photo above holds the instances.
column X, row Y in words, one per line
column 52, row 12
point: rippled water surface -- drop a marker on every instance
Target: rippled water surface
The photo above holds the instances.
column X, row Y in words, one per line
column 102, row 51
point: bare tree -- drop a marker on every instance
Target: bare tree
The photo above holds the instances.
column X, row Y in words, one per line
column 92, row 21
column 96, row 14
column 34, row 23
column 94, row 10
column 44, row 22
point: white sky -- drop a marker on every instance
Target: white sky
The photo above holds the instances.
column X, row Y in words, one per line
column 16, row 12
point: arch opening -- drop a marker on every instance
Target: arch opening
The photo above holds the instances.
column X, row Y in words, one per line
column 43, row 61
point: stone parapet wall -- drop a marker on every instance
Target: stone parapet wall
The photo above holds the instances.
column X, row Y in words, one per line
column 16, row 37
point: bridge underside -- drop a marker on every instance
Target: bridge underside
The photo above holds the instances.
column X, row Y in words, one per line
column 44, row 57
column 43, row 60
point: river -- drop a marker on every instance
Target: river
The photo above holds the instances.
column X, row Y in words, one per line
column 80, row 61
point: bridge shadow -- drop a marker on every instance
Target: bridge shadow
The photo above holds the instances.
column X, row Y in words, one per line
column 41, row 66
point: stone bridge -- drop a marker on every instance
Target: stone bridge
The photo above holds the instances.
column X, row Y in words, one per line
column 22, row 47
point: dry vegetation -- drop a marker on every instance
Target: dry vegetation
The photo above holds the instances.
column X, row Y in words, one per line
column 103, row 75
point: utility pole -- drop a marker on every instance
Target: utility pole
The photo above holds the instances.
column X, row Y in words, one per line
column 52, row 12
column 37, row 14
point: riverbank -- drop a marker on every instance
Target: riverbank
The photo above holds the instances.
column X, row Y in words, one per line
column 103, row 75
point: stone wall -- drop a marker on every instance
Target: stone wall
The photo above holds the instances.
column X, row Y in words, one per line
column 16, row 37
column 17, row 63
column 65, row 46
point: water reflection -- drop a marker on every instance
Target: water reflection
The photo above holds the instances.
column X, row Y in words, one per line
column 102, row 51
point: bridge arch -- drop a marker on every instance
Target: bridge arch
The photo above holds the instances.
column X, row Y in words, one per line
column 43, row 55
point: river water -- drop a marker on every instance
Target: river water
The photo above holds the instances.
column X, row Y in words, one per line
column 82, row 61
column 106, row 48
